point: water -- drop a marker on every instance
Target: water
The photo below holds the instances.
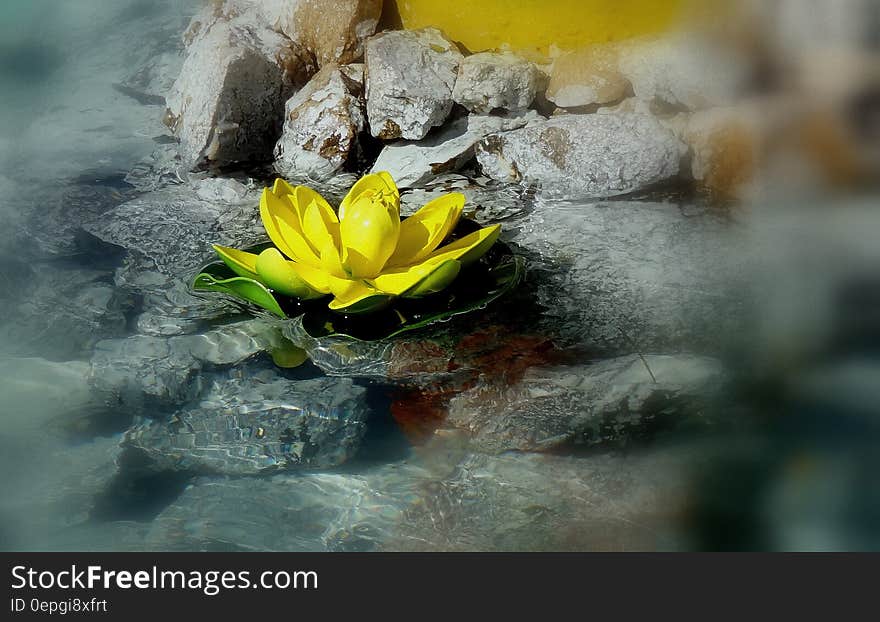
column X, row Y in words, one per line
column 618, row 430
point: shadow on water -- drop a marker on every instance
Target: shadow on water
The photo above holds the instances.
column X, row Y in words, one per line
column 28, row 62
column 137, row 494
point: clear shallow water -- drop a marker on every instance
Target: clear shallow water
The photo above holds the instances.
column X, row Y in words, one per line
column 783, row 457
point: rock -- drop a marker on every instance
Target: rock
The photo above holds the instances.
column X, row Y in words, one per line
column 442, row 498
column 50, row 484
column 274, row 14
column 620, row 277
column 584, row 156
column 167, row 236
column 59, row 312
column 684, row 71
column 415, row 163
column 488, row 81
column 533, row 502
column 726, row 148
column 587, row 77
column 37, row 391
column 227, row 104
column 302, row 512
column 410, row 77
column 321, row 125
column 146, row 373
column 53, row 488
column 614, row 401
column 446, row 356
column 334, row 32
column 252, row 423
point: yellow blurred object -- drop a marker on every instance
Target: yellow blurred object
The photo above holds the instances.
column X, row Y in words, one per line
column 539, row 25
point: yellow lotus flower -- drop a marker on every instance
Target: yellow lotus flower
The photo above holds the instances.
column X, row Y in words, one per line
column 364, row 255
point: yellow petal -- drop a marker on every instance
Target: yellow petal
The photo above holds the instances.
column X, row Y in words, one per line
column 404, row 281
column 281, row 188
column 279, row 274
column 358, row 298
column 369, row 232
column 467, row 249
column 331, row 262
column 439, row 279
column 317, row 279
column 242, row 263
column 376, row 184
column 423, row 232
column 284, row 229
column 318, row 218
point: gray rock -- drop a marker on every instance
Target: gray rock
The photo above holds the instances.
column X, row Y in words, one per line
column 302, row 512
column 684, row 71
column 586, row 156
column 488, row 81
column 533, row 502
column 443, row 498
column 144, row 372
column 50, row 483
column 37, row 392
column 59, row 313
column 53, row 487
column 256, row 422
column 620, row 277
column 227, row 103
column 168, row 235
column 410, row 77
column 321, row 125
column 415, row 163
column 612, row 401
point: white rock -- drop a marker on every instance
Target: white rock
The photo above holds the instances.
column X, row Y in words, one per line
column 488, row 81
column 587, row 156
column 410, row 77
column 415, row 163
column 684, row 71
column 321, row 124
column 227, row 103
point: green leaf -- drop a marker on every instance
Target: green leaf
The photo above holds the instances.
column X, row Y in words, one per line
column 289, row 356
column 240, row 287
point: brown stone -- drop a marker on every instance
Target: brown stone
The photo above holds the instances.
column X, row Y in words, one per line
column 587, row 77
column 335, row 31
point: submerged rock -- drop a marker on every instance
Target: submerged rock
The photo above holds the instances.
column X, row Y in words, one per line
column 167, row 236
column 443, row 498
column 255, row 422
column 587, row 77
column 321, row 124
column 415, row 163
column 302, row 512
column 620, row 277
column 612, row 401
column 488, row 81
column 145, row 373
column 60, row 312
column 532, row 502
column 584, row 156
column 410, row 77
column 227, row 104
